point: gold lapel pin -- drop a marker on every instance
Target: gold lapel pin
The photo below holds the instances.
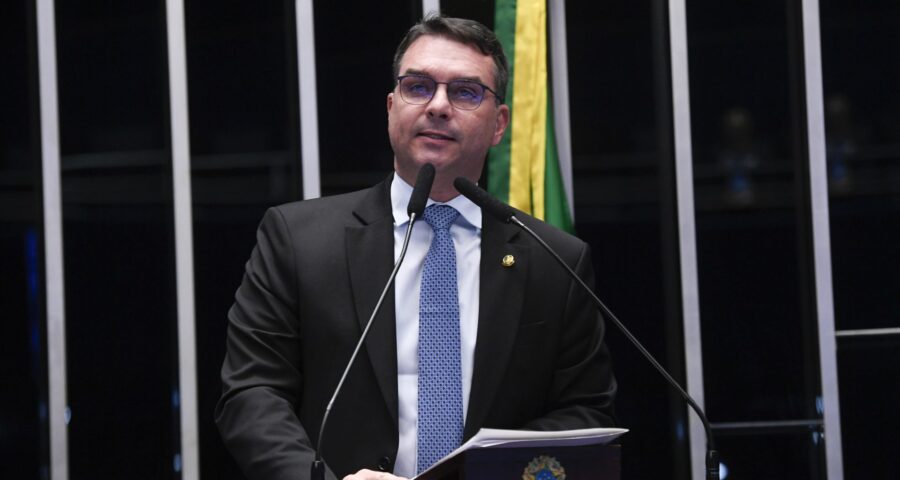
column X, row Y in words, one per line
column 508, row 261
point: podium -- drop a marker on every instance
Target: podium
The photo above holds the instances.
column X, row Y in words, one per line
column 585, row 462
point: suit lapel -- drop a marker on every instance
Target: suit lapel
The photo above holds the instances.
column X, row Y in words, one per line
column 370, row 254
column 502, row 293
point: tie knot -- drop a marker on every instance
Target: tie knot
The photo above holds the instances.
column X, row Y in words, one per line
column 440, row 217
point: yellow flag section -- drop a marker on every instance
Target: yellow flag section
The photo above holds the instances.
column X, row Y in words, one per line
column 524, row 167
column 529, row 103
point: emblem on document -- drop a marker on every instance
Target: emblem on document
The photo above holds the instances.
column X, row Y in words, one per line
column 544, row 468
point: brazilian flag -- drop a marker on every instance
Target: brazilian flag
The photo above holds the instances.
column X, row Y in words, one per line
column 523, row 169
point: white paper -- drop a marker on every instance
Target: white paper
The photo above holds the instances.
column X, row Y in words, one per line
column 496, row 438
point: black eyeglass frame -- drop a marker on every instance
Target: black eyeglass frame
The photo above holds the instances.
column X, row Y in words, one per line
column 400, row 78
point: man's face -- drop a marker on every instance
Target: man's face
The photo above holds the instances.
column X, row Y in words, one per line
column 455, row 141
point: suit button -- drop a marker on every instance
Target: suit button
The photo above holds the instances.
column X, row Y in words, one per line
column 384, row 464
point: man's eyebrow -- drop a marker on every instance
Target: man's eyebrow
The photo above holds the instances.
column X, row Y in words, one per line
column 423, row 73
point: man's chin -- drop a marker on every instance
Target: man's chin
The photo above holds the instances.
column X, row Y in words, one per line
column 447, row 168
column 439, row 163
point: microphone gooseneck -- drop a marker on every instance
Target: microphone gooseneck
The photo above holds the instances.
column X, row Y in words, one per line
column 507, row 214
column 416, row 208
column 483, row 199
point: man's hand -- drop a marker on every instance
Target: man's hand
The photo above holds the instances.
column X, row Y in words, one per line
column 372, row 475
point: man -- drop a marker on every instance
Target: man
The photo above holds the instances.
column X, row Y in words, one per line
column 524, row 346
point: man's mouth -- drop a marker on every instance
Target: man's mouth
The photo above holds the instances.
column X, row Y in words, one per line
column 435, row 135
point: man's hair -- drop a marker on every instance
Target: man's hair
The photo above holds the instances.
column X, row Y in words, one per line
column 464, row 31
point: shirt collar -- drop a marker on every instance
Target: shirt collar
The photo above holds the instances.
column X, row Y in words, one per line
column 400, row 192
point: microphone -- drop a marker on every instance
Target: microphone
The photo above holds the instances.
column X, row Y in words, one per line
column 507, row 214
column 415, row 209
column 420, row 192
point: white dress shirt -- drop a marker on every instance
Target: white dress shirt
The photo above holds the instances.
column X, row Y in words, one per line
column 466, row 233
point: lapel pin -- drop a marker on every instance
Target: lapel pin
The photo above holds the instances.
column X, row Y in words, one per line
column 508, row 261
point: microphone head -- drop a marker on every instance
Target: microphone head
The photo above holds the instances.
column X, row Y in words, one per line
column 421, row 190
column 483, row 199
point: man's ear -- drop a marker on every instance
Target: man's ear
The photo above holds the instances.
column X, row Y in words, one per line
column 390, row 101
column 502, row 123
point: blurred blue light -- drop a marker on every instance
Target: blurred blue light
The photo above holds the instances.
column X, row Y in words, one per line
column 31, row 261
column 32, row 277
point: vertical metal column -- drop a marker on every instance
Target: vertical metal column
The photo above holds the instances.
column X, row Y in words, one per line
column 53, row 242
column 309, row 109
column 818, row 181
column 560, row 93
column 681, row 111
column 431, row 6
column 184, row 243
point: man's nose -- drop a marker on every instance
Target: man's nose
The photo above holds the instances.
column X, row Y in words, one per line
column 440, row 103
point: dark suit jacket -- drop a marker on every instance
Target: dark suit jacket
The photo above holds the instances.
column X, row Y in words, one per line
column 311, row 284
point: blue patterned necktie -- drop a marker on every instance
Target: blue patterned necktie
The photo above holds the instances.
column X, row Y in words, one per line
column 440, row 415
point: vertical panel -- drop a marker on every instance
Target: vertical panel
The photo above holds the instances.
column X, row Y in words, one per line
column 624, row 191
column 245, row 157
column 57, row 408
column 353, row 75
column 681, row 114
column 863, row 168
column 309, row 100
column 23, row 362
column 431, row 6
column 121, row 328
column 867, row 368
column 754, row 241
column 559, row 61
column 184, row 255
column 818, row 181
column 862, row 146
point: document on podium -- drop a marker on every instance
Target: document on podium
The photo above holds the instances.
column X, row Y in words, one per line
column 497, row 438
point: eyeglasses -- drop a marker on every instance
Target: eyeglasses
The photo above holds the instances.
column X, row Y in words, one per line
column 463, row 94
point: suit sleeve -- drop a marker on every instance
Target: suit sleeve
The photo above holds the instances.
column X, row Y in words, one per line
column 262, row 374
column 583, row 387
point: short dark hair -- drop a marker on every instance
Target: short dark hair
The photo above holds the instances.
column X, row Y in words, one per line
column 464, row 31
